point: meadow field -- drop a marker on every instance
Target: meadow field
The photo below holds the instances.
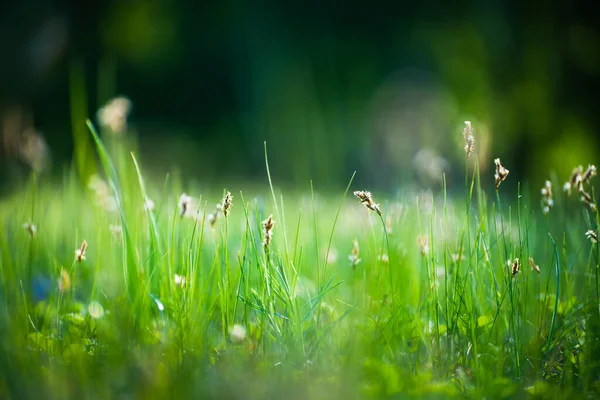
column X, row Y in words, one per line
column 119, row 285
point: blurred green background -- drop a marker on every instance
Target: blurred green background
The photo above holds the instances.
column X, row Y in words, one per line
column 378, row 87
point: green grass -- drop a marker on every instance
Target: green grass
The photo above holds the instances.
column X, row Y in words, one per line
column 450, row 321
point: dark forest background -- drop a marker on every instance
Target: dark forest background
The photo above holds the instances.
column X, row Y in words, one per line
column 333, row 87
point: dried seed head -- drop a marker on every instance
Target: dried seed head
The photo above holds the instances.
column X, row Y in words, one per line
column 268, row 225
column 354, row 256
column 80, row 252
column 514, row 266
column 574, row 181
column 226, row 204
column 589, row 173
column 30, row 228
column 586, row 198
column 469, row 138
column 592, row 236
column 423, row 242
column 366, row 199
column 547, row 200
column 501, row 173
column 64, row 281
column 534, row 267
column 184, row 204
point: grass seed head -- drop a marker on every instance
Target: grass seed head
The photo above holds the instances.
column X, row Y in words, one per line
column 423, row 242
column 469, row 138
column 547, row 200
column 30, row 228
column 586, row 198
column 354, row 256
column 268, row 225
column 184, row 204
column 114, row 114
column 80, row 252
column 592, row 236
column 589, row 173
column 226, row 204
column 367, row 199
column 501, row 173
column 534, row 266
column 514, row 267
column 574, row 181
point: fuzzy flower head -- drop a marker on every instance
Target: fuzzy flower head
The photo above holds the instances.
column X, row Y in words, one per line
column 354, row 256
column 114, row 114
column 469, row 138
column 501, row 173
column 226, row 204
column 268, row 225
column 366, row 199
column 80, row 252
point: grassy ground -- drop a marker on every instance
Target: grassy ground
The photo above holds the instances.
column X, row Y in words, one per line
column 422, row 301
